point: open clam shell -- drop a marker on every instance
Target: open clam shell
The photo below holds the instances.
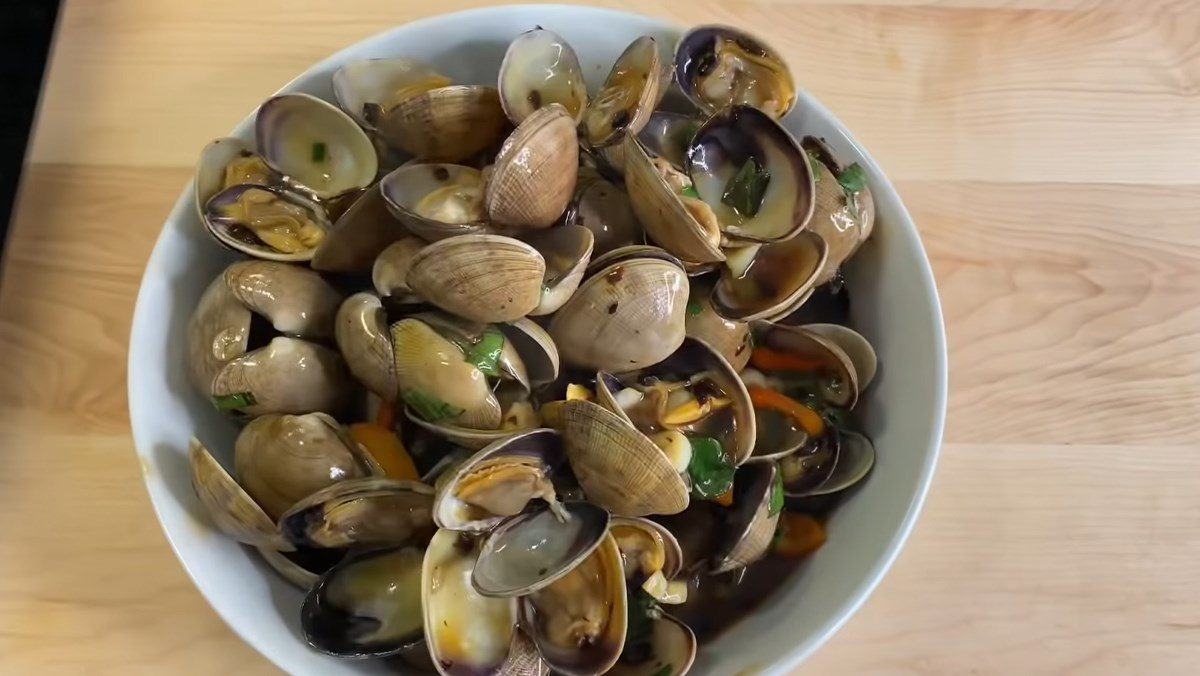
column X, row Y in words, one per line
column 618, row 467
column 389, row 274
column 854, row 345
column 757, row 502
column 719, row 155
column 214, row 173
column 314, row 145
column 367, row 512
column 604, row 208
column 436, row 201
column 369, row 88
column 844, row 218
column 537, row 350
column 266, row 222
column 778, row 436
column 781, row 278
column 533, row 178
column 541, row 68
column 448, row 124
column 453, row 611
column 646, row 547
column 663, row 213
column 358, row 236
column 628, row 96
column 362, row 334
column 840, row 384
column 484, row 278
column 672, row 651
column 499, row 481
column 228, row 505
column 567, row 251
column 630, row 253
column 579, row 621
column 729, row 337
column 720, row 66
column 281, row 459
column 624, row 317
column 855, row 458
column 369, row 605
column 531, row 551
column 669, row 136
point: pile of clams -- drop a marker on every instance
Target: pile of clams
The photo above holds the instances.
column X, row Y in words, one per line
column 530, row 375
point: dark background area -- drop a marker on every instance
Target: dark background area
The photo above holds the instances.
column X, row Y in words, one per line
column 26, row 31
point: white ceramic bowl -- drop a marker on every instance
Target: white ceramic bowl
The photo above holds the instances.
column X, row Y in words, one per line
column 894, row 304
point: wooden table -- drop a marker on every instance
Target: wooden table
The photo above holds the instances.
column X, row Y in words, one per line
column 1049, row 150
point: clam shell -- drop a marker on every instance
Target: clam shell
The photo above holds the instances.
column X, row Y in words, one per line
column 302, row 576
column 484, row 278
column 469, row 438
column 668, row 135
column 533, row 179
column 449, row 124
column 628, row 97
column 210, row 169
column 288, row 375
column 536, row 347
column 693, row 50
column 604, row 208
column 297, row 301
column 429, row 363
column 787, row 268
column 230, row 508
column 359, row 235
column 315, row 145
column 718, row 152
column 531, row 551
column 453, row 609
column 855, row 458
column 662, row 212
column 751, row 523
column 281, row 459
column 625, row 317
column 808, row 344
column 240, row 238
column 541, row 68
column 842, row 225
column 217, row 333
column 364, row 88
column 674, row 651
column 389, row 579
column 366, row 512
column 731, row 338
column 405, row 187
column 540, row 448
column 600, row 574
column 855, row 345
column 389, row 274
column 673, row 554
column 566, row 250
column 361, row 330
column 619, row 468
column 630, row 253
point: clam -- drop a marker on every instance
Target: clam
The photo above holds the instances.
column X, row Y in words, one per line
column 537, row 350
column 630, row 253
column 467, row 633
column 358, row 236
column 624, row 317
column 238, row 369
column 367, row 512
column 369, row 605
column 618, row 467
column 579, row 621
column 538, row 69
column 301, row 567
column 753, row 175
column 389, row 274
column 368, row 89
column 449, row 124
column 281, row 459
column 484, row 278
column 757, row 502
column 499, row 481
column 669, row 136
column 628, row 97
column 361, row 330
column 228, row 505
column 839, row 383
column 316, row 147
column 566, row 250
column 841, row 460
column 781, row 277
column 227, row 162
column 670, row 651
column 856, row 347
column 680, row 223
column 532, row 551
column 436, row 201
column 266, row 222
column 651, row 556
column 731, row 338
column 778, row 435
column 844, row 212
column 604, row 208
column 533, row 179
column 720, row 66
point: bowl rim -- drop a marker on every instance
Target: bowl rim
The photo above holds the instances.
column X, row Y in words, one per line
column 792, row 656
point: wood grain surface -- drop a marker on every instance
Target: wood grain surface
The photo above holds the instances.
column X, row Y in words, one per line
column 1049, row 151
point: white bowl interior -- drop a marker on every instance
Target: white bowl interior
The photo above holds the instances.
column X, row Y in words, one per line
column 904, row 411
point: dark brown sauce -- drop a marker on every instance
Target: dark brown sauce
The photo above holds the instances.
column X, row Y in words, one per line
column 717, row 602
